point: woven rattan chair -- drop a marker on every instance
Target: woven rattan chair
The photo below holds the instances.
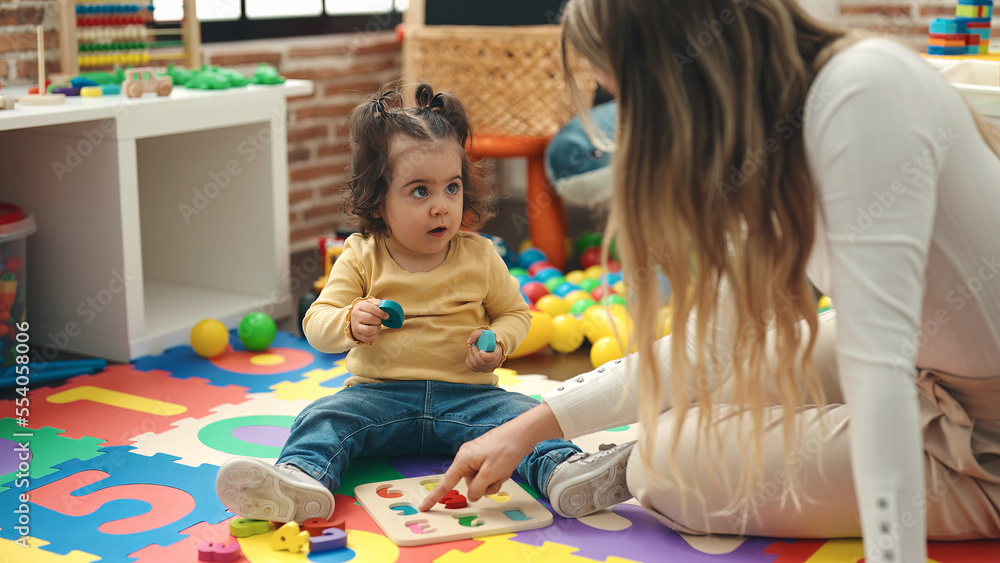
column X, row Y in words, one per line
column 512, row 83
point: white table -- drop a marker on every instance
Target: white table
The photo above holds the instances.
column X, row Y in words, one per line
column 152, row 214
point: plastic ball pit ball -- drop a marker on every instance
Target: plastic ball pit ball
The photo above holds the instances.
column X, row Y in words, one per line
column 209, row 338
column 256, row 331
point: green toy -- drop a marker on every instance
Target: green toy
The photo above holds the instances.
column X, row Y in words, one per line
column 267, row 74
column 256, row 331
column 102, row 77
column 178, row 74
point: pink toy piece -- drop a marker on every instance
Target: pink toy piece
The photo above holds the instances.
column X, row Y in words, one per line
column 228, row 550
column 420, row 527
column 246, row 527
column 386, row 491
column 318, row 526
column 289, row 537
column 330, row 539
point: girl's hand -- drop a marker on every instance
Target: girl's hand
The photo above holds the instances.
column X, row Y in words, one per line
column 477, row 360
column 366, row 320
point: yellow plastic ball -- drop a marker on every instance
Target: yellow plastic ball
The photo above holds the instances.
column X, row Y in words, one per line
column 525, row 245
column 605, row 350
column 619, row 287
column 209, row 338
column 552, row 304
column 599, row 323
column 567, row 335
column 825, row 304
column 576, row 295
column 539, row 335
column 594, row 272
column 575, row 277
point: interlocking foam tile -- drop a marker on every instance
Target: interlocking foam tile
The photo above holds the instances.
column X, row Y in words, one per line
column 287, row 359
column 12, row 552
column 120, row 403
column 317, row 383
column 118, row 503
column 257, row 427
column 852, row 551
column 982, row 551
column 47, row 450
column 500, row 548
column 645, row 540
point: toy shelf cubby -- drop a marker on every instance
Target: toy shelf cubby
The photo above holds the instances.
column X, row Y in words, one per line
column 153, row 213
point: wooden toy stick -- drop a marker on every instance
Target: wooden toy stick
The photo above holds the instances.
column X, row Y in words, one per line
column 42, row 98
column 41, row 59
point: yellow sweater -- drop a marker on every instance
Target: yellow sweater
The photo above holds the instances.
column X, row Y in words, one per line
column 471, row 289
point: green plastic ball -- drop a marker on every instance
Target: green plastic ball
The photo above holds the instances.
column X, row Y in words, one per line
column 587, row 240
column 580, row 306
column 256, row 331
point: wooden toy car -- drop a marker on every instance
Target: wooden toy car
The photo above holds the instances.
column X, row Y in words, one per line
column 140, row 80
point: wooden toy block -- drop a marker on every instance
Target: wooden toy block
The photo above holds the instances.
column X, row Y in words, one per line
column 395, row 311
column 392, row 505
column 246, row 527
column 487, row 341
column 228, row 550
column 317, row 526
column 330, row 539
column 288, row 537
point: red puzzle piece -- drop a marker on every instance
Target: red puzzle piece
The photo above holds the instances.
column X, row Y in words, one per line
column 128, row 403
column 454, row 500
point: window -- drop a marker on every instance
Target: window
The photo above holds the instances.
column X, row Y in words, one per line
column 234, row 20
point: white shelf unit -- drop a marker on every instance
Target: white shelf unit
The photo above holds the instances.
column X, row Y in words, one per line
column 128, row 256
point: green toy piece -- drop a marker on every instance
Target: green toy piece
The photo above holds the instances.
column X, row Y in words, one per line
column 215, row 78
column 235, row 78
column 178, row 74
column 103, row 77
column 267, row 74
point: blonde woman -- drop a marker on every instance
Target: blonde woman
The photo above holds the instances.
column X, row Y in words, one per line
column 756, row 148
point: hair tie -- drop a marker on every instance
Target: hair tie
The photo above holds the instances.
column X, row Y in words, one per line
column 378, row 104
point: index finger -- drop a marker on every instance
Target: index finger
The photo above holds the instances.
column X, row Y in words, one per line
column 444, row 486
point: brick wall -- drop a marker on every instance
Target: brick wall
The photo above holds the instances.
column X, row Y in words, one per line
column 346, row 67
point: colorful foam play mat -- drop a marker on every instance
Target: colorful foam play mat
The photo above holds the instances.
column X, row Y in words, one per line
column 120, row 466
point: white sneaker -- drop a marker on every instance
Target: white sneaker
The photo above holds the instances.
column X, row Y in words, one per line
column 586, row 483
column 281, row 493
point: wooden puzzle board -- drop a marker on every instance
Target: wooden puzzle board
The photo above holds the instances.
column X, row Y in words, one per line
column 392, row 505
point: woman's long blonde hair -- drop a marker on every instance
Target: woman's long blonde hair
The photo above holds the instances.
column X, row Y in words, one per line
column 711, row 183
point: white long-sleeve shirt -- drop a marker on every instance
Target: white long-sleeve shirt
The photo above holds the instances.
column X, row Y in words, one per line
column 907, row 247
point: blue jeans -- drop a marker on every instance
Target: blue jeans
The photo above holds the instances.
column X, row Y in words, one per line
column 409, row 418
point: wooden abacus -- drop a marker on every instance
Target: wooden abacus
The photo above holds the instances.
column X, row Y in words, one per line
column 103, row 34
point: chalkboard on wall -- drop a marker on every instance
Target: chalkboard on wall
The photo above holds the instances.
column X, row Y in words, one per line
column 488, row 12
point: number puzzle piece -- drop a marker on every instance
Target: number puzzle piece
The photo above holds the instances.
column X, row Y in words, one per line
column 487, row 341
column 395, row 311
column 228, row 550
column 454, row 500
column 500, row 497
column 404, row 508
column 470, row 520
column 289, row 537
column 330, row 539
column 386, row 491
column 316, row 526
column 516, row 515
column 420, row 527
column 246, row 527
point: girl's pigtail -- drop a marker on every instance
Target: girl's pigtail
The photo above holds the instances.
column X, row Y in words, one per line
column 446, row 106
